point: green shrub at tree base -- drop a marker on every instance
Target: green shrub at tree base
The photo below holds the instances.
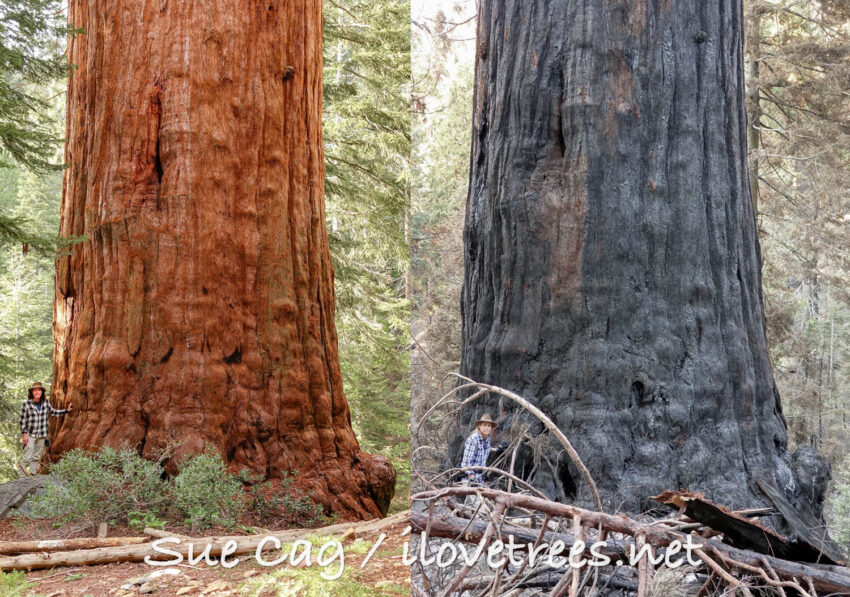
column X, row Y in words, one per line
column 142, row 520
column 206, row 493
column 276, row 502
column 90, row 488
column 121, row 487
column 14, row 583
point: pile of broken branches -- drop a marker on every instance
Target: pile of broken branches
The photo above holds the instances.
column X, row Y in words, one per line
column 513, row 531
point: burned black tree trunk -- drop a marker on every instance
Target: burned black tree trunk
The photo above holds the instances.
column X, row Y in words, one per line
column 612, row 262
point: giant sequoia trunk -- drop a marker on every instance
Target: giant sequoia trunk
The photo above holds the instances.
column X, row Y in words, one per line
column 612, row 263
column 200, row 308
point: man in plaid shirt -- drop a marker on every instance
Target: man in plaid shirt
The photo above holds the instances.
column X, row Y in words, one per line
column 477, row 448
column 34, row 414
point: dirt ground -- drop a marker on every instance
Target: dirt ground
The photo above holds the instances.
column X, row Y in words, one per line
column 383, row 574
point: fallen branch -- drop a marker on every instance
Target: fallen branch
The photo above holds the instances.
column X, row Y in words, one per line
column 137, row 553
column 472, row 531
column 736, row 565
column 159, row 533
column 746, row 533
column 825, row 579
column 552, row 578
column 47, row 545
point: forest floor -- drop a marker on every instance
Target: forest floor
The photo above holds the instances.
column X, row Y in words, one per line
column 383, row 574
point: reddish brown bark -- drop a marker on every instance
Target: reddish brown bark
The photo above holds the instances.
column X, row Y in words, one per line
column 200, row 309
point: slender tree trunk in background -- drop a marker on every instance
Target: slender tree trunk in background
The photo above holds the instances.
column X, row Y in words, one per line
column 753, row 105
column 612, row 260
column 200, row 309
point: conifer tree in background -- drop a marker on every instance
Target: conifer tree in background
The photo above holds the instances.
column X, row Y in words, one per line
column 32, row 66
column 31, row 60
column 367, row 148
column 799, row 130
column 26, row 298
column 443, row 46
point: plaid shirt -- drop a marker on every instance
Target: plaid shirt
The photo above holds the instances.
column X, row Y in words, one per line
column 34, row 421
column 475, row 453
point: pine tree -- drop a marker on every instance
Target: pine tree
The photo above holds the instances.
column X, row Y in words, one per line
column 799, row 131
column 367, row 149
column 443, row 49
column 31, row 57
column 32, row 60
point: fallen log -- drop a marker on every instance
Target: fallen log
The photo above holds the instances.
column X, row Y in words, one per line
column 825, row 579
column 46, row 545
column 831, row 580
column 126, row 553
column 137, row 553
column 804, row 524
column 472, row 531
column 742, row 532
column 160, row 533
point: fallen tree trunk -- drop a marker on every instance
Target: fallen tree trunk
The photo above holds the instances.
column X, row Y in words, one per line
column 129, row 553
column 137, row 553
column 472, row 531
column 824, row 578
column 160, row 533
column 748, row 534
column 11, row 547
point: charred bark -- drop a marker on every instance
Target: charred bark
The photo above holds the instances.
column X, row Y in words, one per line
column 612, row 261
column 200, row 308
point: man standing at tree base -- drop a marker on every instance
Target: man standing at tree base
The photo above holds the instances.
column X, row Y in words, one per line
column 34, row 414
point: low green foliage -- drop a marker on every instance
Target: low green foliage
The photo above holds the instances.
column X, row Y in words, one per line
column 288, row 504
column 839, row 506
column 75, row 576
column 395, row 589
column 13, row 584
column 119, row 486
column 89, row 488
column 142, row 520
column 306, row 582
column 206, row 493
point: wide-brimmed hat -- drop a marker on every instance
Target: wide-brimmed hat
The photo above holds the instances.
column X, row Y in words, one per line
column 485, row 419
column 38, row 385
